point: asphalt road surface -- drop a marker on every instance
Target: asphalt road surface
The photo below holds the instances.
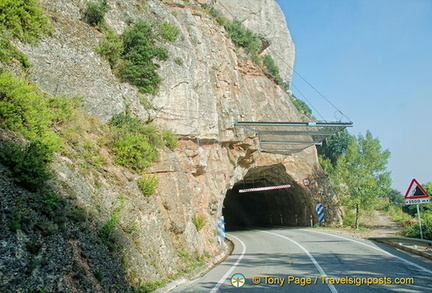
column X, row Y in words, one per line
column 307, row 260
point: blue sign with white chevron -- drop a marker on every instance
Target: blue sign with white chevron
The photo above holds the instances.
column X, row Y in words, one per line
column 320, row 212
column 221, row 229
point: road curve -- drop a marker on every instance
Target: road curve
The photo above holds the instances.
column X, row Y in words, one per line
column 307, row 260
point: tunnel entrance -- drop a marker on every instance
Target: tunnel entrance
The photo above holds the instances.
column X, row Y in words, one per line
column 280, row 207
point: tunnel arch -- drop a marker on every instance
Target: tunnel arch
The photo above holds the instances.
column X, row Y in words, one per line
column 280, row 207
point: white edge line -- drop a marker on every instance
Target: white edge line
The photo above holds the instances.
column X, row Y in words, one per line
column 228, row 273
column 317, row 265
column 378, row 249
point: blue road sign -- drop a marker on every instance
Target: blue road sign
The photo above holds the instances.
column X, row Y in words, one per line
column 320, row 212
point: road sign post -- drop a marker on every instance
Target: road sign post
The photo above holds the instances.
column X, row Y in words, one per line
column 417, row 195
column 221, row 230
column 320, row 212
column 419, row 221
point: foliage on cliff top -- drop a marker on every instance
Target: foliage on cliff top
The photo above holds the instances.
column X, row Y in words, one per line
column 24, row 19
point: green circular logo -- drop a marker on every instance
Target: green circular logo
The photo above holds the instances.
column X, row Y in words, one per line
column 238, row 280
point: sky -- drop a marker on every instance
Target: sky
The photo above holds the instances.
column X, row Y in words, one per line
column 372, row 59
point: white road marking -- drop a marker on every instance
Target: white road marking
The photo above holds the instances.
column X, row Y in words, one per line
column 228, row 273
column 320, row 269
column 378, row 249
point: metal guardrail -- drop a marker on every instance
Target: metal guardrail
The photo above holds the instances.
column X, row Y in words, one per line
column 418, row 246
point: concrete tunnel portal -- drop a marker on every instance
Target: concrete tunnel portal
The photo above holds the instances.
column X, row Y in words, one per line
column 280, row 207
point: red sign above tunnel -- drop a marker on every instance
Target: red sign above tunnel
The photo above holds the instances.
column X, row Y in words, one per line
column 306, row 182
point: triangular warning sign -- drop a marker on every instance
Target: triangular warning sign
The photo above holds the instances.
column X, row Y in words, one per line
column 415, row 190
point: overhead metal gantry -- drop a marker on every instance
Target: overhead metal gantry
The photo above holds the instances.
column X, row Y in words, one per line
column 291, row 137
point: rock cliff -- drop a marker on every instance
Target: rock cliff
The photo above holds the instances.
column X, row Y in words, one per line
column 200, row 99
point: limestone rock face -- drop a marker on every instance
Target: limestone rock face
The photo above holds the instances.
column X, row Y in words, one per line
column 265, row 18
column 200, row 100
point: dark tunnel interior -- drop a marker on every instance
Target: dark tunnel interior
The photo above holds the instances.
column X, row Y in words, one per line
column 280, row 207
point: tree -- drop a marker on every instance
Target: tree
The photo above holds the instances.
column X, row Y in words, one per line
column 334, row 146
column 396, row 197
column 362, row 174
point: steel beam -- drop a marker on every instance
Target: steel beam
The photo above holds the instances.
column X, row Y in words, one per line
column 310, row 124
column 319, row 133
column 290, row 142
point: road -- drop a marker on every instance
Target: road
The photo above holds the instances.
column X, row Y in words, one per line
column 307, row 260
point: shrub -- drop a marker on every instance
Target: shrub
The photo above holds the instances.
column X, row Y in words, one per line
column 8, row 52
column 61, row 108
column 135, row 143
column 139, row 51
column 123, row 120
column 301, row 106
column 111, row 47
column 24, row 19
column 199, row 221
column 244, row 37
column 23, row 110
column 133, row 150
column 133, row 53
column 106, row 232
column 170, row 139
column 178, row 61
column 414, row 230
column 28, row 165
column 148, row 184
column 168, row 32
column 95, row 12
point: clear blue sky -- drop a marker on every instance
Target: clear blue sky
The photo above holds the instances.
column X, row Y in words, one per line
column 373, row 60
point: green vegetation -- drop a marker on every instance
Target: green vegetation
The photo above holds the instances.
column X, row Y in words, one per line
column 148, row 184
column 334, row 146
column 8, row 53
column 139, row 51
column 135, row 143
column 243, row 37
column 111, row 47
column 95, row 12
column 357, row 168
column 272, row 70
column 23, row 109
column 28, row 165
column 199, row 221
column 301, row 106
column 238, row 33
column 359, row 173
column 44, row 209
column 178, row 61
column 134, row 150
column 168, row 32
column 413, row 231
column 131, row 55
column 170, row 139
column 106, row 232
column 24, row 19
